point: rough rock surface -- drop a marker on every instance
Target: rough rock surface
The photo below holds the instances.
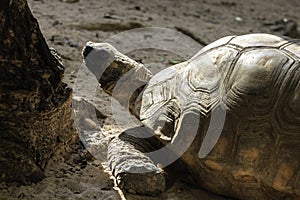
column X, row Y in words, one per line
column 33, row 99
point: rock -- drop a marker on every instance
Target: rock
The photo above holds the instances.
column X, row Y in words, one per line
column 89, row 124
column 34, row 102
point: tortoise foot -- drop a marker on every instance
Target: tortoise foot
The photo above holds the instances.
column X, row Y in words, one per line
column 150, row 184
column 134, row 171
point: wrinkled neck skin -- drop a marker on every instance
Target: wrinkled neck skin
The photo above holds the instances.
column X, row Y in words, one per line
column 126, row 83
column 121, row 77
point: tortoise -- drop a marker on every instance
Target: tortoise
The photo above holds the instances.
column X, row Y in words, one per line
column 231, row 113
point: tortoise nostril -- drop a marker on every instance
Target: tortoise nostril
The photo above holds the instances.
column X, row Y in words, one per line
column 87, row 49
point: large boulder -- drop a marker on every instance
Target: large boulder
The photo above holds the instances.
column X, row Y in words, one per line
column 35, row 105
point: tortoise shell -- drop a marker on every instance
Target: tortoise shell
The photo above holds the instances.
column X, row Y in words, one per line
column 253, row 84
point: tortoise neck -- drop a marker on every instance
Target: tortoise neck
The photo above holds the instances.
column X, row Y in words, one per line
column 125, row 80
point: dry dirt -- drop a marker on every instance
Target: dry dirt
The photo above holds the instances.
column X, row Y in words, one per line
column 68, row 24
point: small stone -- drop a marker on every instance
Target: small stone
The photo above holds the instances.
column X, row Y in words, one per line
column 238, row 19
column 107, row 16
column 89, row 124
column 77, row 168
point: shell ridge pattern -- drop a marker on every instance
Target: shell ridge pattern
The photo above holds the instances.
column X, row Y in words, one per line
column 215, row 45
column 258, row 75
column 258, row 39
column 156, row 99
column 150, row 105
column 206, row 78
column 293, row 49
column 230, row 71
column 286, row 111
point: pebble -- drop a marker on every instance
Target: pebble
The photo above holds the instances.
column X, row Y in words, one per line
column 77, row 168
column 239, row 19
column 89, row 124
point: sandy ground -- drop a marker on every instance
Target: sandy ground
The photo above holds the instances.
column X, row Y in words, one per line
column 68, row 24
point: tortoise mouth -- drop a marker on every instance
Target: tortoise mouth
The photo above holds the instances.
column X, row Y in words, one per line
column 86, row 50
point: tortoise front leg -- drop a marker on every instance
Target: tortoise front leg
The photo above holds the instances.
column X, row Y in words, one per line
column 135, row 172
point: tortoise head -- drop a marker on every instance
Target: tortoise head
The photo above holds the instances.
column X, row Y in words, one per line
column 98, row 57
column 119, row 76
